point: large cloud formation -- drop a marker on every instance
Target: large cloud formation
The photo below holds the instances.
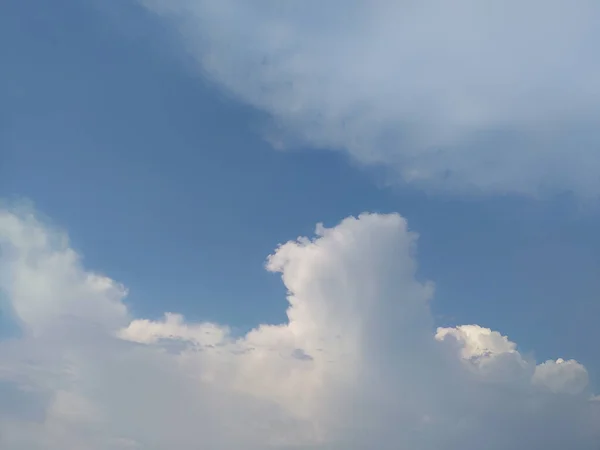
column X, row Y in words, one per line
column 358, row 364
column 460, row 96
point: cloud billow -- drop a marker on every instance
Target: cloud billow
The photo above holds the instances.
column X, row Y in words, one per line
column 460, row 97
column 357, row 365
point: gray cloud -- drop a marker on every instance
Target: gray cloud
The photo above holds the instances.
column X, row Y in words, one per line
column 462, row 97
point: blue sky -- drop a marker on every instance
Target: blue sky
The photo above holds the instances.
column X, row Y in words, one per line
column 165, row 182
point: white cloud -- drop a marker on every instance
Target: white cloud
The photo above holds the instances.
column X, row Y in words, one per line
column 462, row 95
column 44, row 279
column 488, row 353
column 561, row 376
column 358, row 365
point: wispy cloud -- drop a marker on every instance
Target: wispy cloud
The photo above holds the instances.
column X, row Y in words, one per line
column 357, row 365
column 454, row 96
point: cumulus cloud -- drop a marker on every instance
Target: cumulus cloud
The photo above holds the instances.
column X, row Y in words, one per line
column 357, row 365
column 561, row 376
column 458, row 96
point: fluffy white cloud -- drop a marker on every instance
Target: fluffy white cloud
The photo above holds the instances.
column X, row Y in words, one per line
column 451, row 95
column 358, row 364
column 561, row 376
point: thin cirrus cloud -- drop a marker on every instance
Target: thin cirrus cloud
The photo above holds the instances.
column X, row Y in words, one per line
column 358, row 364
column 464, row 96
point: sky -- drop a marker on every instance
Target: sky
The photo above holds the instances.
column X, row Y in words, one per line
column 307, row 225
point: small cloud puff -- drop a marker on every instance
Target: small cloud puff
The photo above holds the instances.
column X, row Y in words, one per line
column 357, row 365
column 558, row 376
